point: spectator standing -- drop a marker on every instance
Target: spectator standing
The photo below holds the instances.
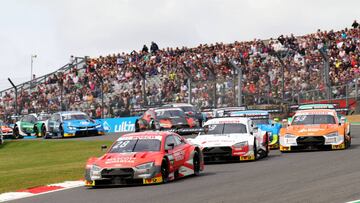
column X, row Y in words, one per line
column 145, row 49
column 154, row 47
column 355, row 24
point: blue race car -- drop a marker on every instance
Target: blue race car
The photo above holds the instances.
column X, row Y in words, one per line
column 262, row 121
column 71, row 124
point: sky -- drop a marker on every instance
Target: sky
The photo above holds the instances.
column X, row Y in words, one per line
column 56, row 29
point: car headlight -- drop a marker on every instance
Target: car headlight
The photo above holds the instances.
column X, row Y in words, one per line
column 72, row 128
column 332, row 138
column 98, row 126
column 334, row 134
column 95, row 168
column 240, row 144
column 290, row 136
column 95, row 172
column 145, row 166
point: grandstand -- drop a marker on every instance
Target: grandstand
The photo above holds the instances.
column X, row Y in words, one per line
column 133, row 80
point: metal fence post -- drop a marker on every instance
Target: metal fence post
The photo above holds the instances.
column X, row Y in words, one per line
column 347, row 95
column 356, row 88
column 189, row 81
column 102, row 93
column 237, row 69
column 16, row 95
column 189, row 90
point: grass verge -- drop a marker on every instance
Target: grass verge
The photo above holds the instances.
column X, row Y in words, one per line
column 25, row 164
column 353, row 118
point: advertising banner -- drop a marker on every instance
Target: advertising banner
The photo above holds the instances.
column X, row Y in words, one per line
column 115, row 125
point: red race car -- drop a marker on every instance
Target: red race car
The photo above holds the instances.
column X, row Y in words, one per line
column 5, row 129
column 145, row 158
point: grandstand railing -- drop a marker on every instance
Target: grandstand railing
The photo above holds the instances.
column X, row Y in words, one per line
column 32, row 83
column 346, row 95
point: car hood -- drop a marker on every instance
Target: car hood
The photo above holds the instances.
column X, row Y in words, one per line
column 312, row 130
column 80, row 123
column 126, row 160
column 220, row 140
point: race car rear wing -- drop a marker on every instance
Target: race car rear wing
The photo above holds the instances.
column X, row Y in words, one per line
column 182, row 131
column 319, row 106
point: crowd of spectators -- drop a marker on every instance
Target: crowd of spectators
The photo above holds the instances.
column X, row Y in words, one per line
column 167, row 73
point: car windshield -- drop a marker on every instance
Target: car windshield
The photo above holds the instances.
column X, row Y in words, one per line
column 260, row 121
column 68, row 117
column 169, row 113
column 227, row 128
column 313, row 119
column 188, row 108
column 43, row 117
column 136, row 145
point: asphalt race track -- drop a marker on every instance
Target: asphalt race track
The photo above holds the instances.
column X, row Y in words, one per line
column 319, row 176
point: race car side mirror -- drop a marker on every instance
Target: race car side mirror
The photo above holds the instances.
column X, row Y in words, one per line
column 103, row 147
column 255, row 129
column 171, row 145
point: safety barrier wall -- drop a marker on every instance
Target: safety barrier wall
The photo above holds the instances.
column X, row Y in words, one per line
column 116, row 125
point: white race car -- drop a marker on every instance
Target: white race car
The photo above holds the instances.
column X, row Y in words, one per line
column 232, row 138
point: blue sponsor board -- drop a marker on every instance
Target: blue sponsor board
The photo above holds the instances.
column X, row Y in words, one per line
column 115, row 125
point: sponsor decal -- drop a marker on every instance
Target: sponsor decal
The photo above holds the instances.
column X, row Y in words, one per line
column 120, row 160
column 309, row 130
column 178, row 156
column 114, row 125
column 141, row 137
column 153, row 180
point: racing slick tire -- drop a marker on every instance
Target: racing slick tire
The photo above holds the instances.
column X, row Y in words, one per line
column 36, row 132
column 43, row 130
column 267, row 146
column 347, row 143
column 196, row 163
column 16, row 133
column 165, row 170
column 255, row 151
column 152, row 125
column 61, row 131
column 137, row 126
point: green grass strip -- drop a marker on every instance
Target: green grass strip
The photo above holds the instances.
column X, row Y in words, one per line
column 26, row 163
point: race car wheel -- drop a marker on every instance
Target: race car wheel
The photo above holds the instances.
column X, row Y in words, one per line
column 43, row 130
column 267, row 146
column 36, row 131
column 346, row 142
column 152, row 125
column 137, row 126
column 16, row 134
column 165, row 170
column 61, row 131
column 255, row 151
column 196, row 163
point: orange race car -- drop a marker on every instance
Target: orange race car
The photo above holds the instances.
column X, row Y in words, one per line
column 315, row 129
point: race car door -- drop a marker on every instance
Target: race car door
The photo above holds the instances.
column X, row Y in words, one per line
column 175, row 150
column 54, row 123
column 180, row 150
